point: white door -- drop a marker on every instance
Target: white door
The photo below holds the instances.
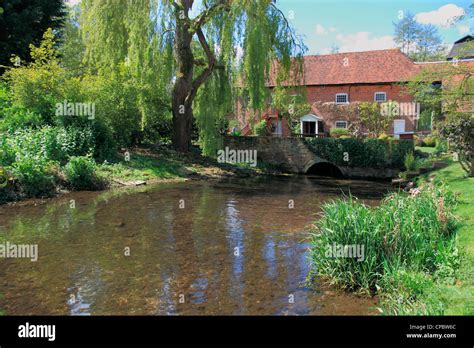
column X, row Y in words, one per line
column 398, row 126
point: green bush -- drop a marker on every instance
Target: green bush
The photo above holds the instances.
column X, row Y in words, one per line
column 338, row 132
column 34, row 175
column 261, row 128
column 406, row 232
column 441, row 146
column 429, row 141
column 81, row 173
column 418, row 141
column 410, row 161
column 371, row 153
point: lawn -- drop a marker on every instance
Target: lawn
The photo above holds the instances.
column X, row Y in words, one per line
column 459, row 298
column 143, row 167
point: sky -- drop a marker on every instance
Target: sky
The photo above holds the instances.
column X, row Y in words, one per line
column 362, row 25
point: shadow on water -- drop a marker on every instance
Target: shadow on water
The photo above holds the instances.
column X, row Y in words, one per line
column 228, row 247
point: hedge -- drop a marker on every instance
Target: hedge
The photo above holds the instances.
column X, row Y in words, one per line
column 370, row 153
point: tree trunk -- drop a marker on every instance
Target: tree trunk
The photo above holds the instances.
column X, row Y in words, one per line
column 181, row 102
column 471, row 173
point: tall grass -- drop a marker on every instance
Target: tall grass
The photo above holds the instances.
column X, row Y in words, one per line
column 408, row 236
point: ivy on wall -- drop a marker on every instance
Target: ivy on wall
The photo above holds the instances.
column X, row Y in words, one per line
column 368, row 153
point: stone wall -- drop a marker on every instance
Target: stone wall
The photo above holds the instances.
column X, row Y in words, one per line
column 292, row 155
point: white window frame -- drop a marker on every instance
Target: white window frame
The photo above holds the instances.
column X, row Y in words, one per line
column 344, row 94
column 345, row 122
column 380, row 101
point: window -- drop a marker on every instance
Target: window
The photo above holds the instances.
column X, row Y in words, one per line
column 342, row 98
column 380, row 96
column 341, row 124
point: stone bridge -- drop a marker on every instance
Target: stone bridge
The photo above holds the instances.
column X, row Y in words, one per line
column 293, row 155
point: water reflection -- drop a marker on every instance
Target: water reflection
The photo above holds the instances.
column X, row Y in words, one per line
column 235, row 248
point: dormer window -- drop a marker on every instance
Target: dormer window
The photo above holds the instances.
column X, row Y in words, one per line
column 342, row 98
column 380, row 97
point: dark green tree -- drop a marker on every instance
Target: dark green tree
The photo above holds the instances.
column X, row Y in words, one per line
column 23, row 22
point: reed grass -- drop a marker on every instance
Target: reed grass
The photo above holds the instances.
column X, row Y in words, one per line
column 409, row 241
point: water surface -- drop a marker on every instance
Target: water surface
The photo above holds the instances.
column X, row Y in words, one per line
column 230, row 247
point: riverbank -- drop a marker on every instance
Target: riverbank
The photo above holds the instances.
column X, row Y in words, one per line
column 458, row 298
column 419, row 247
column 142, row 166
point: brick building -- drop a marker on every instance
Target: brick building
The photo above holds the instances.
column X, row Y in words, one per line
column 336, row 83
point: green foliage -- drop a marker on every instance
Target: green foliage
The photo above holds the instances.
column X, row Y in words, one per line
column 371, row 153
column 34, row 175
column 441, row 146
column 211, row 116
column 81, row 173
column 291, row 103
column 404, row 292
column 31, row 155
column 72, row 48
column 261, row 128
column 421, row 42
column 24, row 22
column 14, row 117
column 140, row 36
column 455, row 95
column 115, row 100
column 460, row 133
column 372, row 117
column 429, row 141
column 38, row 86
column 338, row 132
column 134, row 65
column 49, row 143
column 385, row 136
column 410, row 161
column 141, row 167
column 406, row 235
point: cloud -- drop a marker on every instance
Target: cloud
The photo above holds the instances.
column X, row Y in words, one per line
column 320, row 30
column 464, row 29
column 443, row 17
column 362, row 41
column 332, row 29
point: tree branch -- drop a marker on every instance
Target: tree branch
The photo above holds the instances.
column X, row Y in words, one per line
column 207, row 14
column 211, row 65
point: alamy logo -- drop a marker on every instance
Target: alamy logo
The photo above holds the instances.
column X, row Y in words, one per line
column 237, row 156
column 37, row 331
column 27, row 251
column 75, row 109
column 393, row 108
column 354, row 251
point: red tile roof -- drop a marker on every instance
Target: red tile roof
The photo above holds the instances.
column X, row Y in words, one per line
column 357, row 67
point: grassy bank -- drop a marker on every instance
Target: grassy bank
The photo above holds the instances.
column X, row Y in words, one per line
column 135, row 166
column 458, row 298
column 419, row 247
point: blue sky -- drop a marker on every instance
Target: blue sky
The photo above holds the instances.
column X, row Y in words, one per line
column 360, row 25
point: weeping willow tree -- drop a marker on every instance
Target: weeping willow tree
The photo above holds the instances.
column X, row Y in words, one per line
column 215, row 45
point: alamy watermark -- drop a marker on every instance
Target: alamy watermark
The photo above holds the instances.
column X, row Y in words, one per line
column 237, row 156
column 27, row 251
column 352, row 251
column 37, row 331
column 75, row 109
column 393, row 108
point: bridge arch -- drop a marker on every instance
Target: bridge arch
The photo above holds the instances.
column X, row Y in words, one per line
column 323, row 168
